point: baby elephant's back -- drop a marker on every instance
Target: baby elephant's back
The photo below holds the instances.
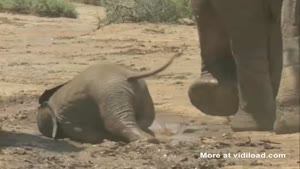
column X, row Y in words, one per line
column 99, row 75
column 94, row 79
column 103, row 73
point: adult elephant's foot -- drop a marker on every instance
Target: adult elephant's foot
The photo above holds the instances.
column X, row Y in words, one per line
column 243, row 121
column 287, row 122
column 212, row 97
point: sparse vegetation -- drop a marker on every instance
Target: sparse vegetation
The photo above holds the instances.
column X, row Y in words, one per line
column 147, row 10
column 91, row 2
column 50, row 8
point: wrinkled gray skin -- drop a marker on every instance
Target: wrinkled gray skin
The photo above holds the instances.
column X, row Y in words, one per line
column 287, row 120
column 106, row 101
column 241, row 51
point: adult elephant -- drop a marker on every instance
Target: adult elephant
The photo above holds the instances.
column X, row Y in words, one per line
column 241, row 50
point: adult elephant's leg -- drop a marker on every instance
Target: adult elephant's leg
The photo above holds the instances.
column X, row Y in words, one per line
column 275, row 43
column 215, row 92
column 248, row 24
column 287, row 119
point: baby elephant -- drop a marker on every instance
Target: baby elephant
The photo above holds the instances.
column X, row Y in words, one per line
column 106, row 101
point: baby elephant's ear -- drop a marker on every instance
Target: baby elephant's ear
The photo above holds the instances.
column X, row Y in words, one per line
column 48, row 93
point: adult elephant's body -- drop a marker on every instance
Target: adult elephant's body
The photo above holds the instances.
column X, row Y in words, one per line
column 241, row 50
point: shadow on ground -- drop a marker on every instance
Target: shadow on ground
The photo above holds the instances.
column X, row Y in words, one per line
column 12, row 139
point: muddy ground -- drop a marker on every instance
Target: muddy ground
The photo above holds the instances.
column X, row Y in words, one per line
column 38, row 53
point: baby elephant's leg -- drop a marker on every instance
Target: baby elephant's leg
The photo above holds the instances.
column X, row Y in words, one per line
column 144, row 109
column 117, row 113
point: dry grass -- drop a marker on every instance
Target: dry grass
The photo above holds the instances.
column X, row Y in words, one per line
column 147, row 10
column 90, row 2
column 49, row 8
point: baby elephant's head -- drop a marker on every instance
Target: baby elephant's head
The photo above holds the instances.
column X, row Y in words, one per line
column 45, row 121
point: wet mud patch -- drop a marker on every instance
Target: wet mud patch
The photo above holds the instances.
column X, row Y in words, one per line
column 185, row 143
column 23, row 147
column 180, row 149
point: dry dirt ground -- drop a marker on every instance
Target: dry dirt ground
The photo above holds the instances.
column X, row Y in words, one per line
column 39, row 53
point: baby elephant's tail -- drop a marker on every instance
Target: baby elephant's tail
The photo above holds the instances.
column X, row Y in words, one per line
column 136, row 76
